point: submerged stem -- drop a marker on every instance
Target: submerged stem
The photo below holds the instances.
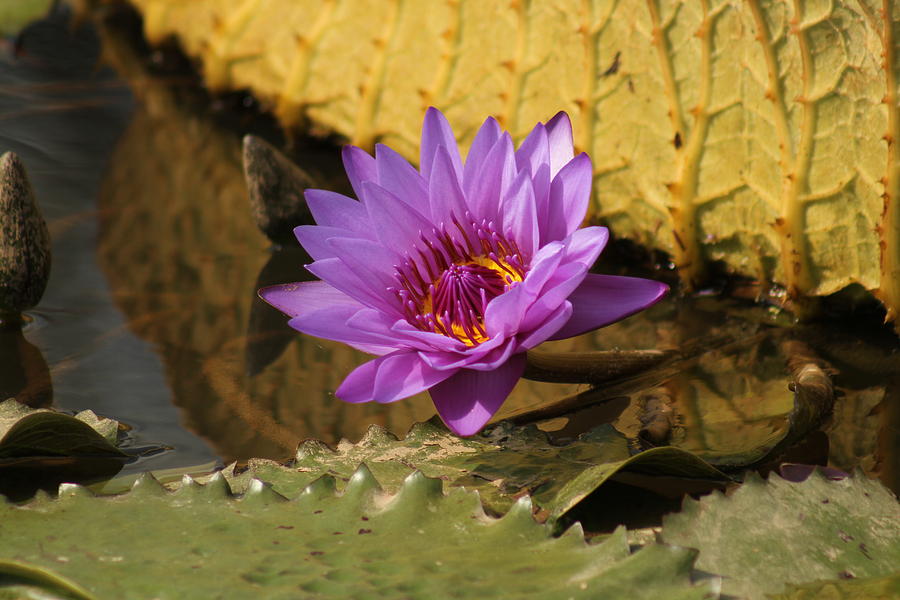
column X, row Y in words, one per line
column 591, row 367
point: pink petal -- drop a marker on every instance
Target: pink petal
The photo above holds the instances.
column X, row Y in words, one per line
column 369, row 260
column 559, row 135
column 604, row 299
column 336, row 210
column 399, row 177
column 314, row 239
column 436, row 132
column 444, row 194
column 469, row 399
column 570, row 193
column 484, row 140
column 389, row 378
column 403, row 374
column 565, row 281
column 519, row 214
column 360, row 167
column 337, row 274
column 585, row 245
column 505, row 312
column 534, row 150
column 396, row 224
column 391, row 328
column 496, row 357
column 359, row 385
column 331, row 324
column 295, row 299
column 553, row 323
column 461, row 359
column 494, row 178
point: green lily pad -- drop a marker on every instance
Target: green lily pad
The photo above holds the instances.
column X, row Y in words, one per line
column 875, row 588
column 201, row 542
column 39, row 449
column 503, row 464
column 771, row 533
column 25, row 433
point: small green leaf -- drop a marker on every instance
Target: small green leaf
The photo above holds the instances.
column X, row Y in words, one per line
column 39, row 449
column 366, row 543
column 771, row 533
column 26, row 433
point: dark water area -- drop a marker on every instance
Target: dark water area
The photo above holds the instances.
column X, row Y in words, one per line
column 151, row 315
column 62, row 112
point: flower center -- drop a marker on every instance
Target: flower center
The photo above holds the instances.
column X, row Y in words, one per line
column 460, row 298
column 446, row 287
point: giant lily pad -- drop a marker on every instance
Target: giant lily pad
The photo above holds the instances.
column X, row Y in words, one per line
column 771, row 533
column 200, row 542
column 503, row 464
column 757, row 133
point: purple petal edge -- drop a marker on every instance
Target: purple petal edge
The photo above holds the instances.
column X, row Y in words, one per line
column 295, row 299
column 604, row 299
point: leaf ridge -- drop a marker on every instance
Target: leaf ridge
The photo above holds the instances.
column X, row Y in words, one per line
column 688, row 144
column 889, row 230
column 791, row 222
column 290, row 101
column 223, row 39
column 451, row 40
column 509, row 115
column 373, row 87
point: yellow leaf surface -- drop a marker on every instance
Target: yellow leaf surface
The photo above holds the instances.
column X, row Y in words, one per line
column 755, row 132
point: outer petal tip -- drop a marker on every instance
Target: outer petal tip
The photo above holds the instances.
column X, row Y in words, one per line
column 560, row 120
column 467, row 400
column 601, row 300
column 282, row 297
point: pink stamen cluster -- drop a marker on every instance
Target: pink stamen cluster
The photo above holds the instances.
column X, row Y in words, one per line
column 446, row 286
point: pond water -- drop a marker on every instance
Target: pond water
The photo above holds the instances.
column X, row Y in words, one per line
column 151, row 315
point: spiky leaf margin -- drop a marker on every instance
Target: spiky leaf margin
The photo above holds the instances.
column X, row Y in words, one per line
column 201, row 542
column 502, row 463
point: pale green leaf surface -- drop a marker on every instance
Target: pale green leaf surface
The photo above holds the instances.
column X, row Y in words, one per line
column 199, row 542
column 771, row 533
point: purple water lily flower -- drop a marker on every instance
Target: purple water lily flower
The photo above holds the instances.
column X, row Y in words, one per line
column 450, row 273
